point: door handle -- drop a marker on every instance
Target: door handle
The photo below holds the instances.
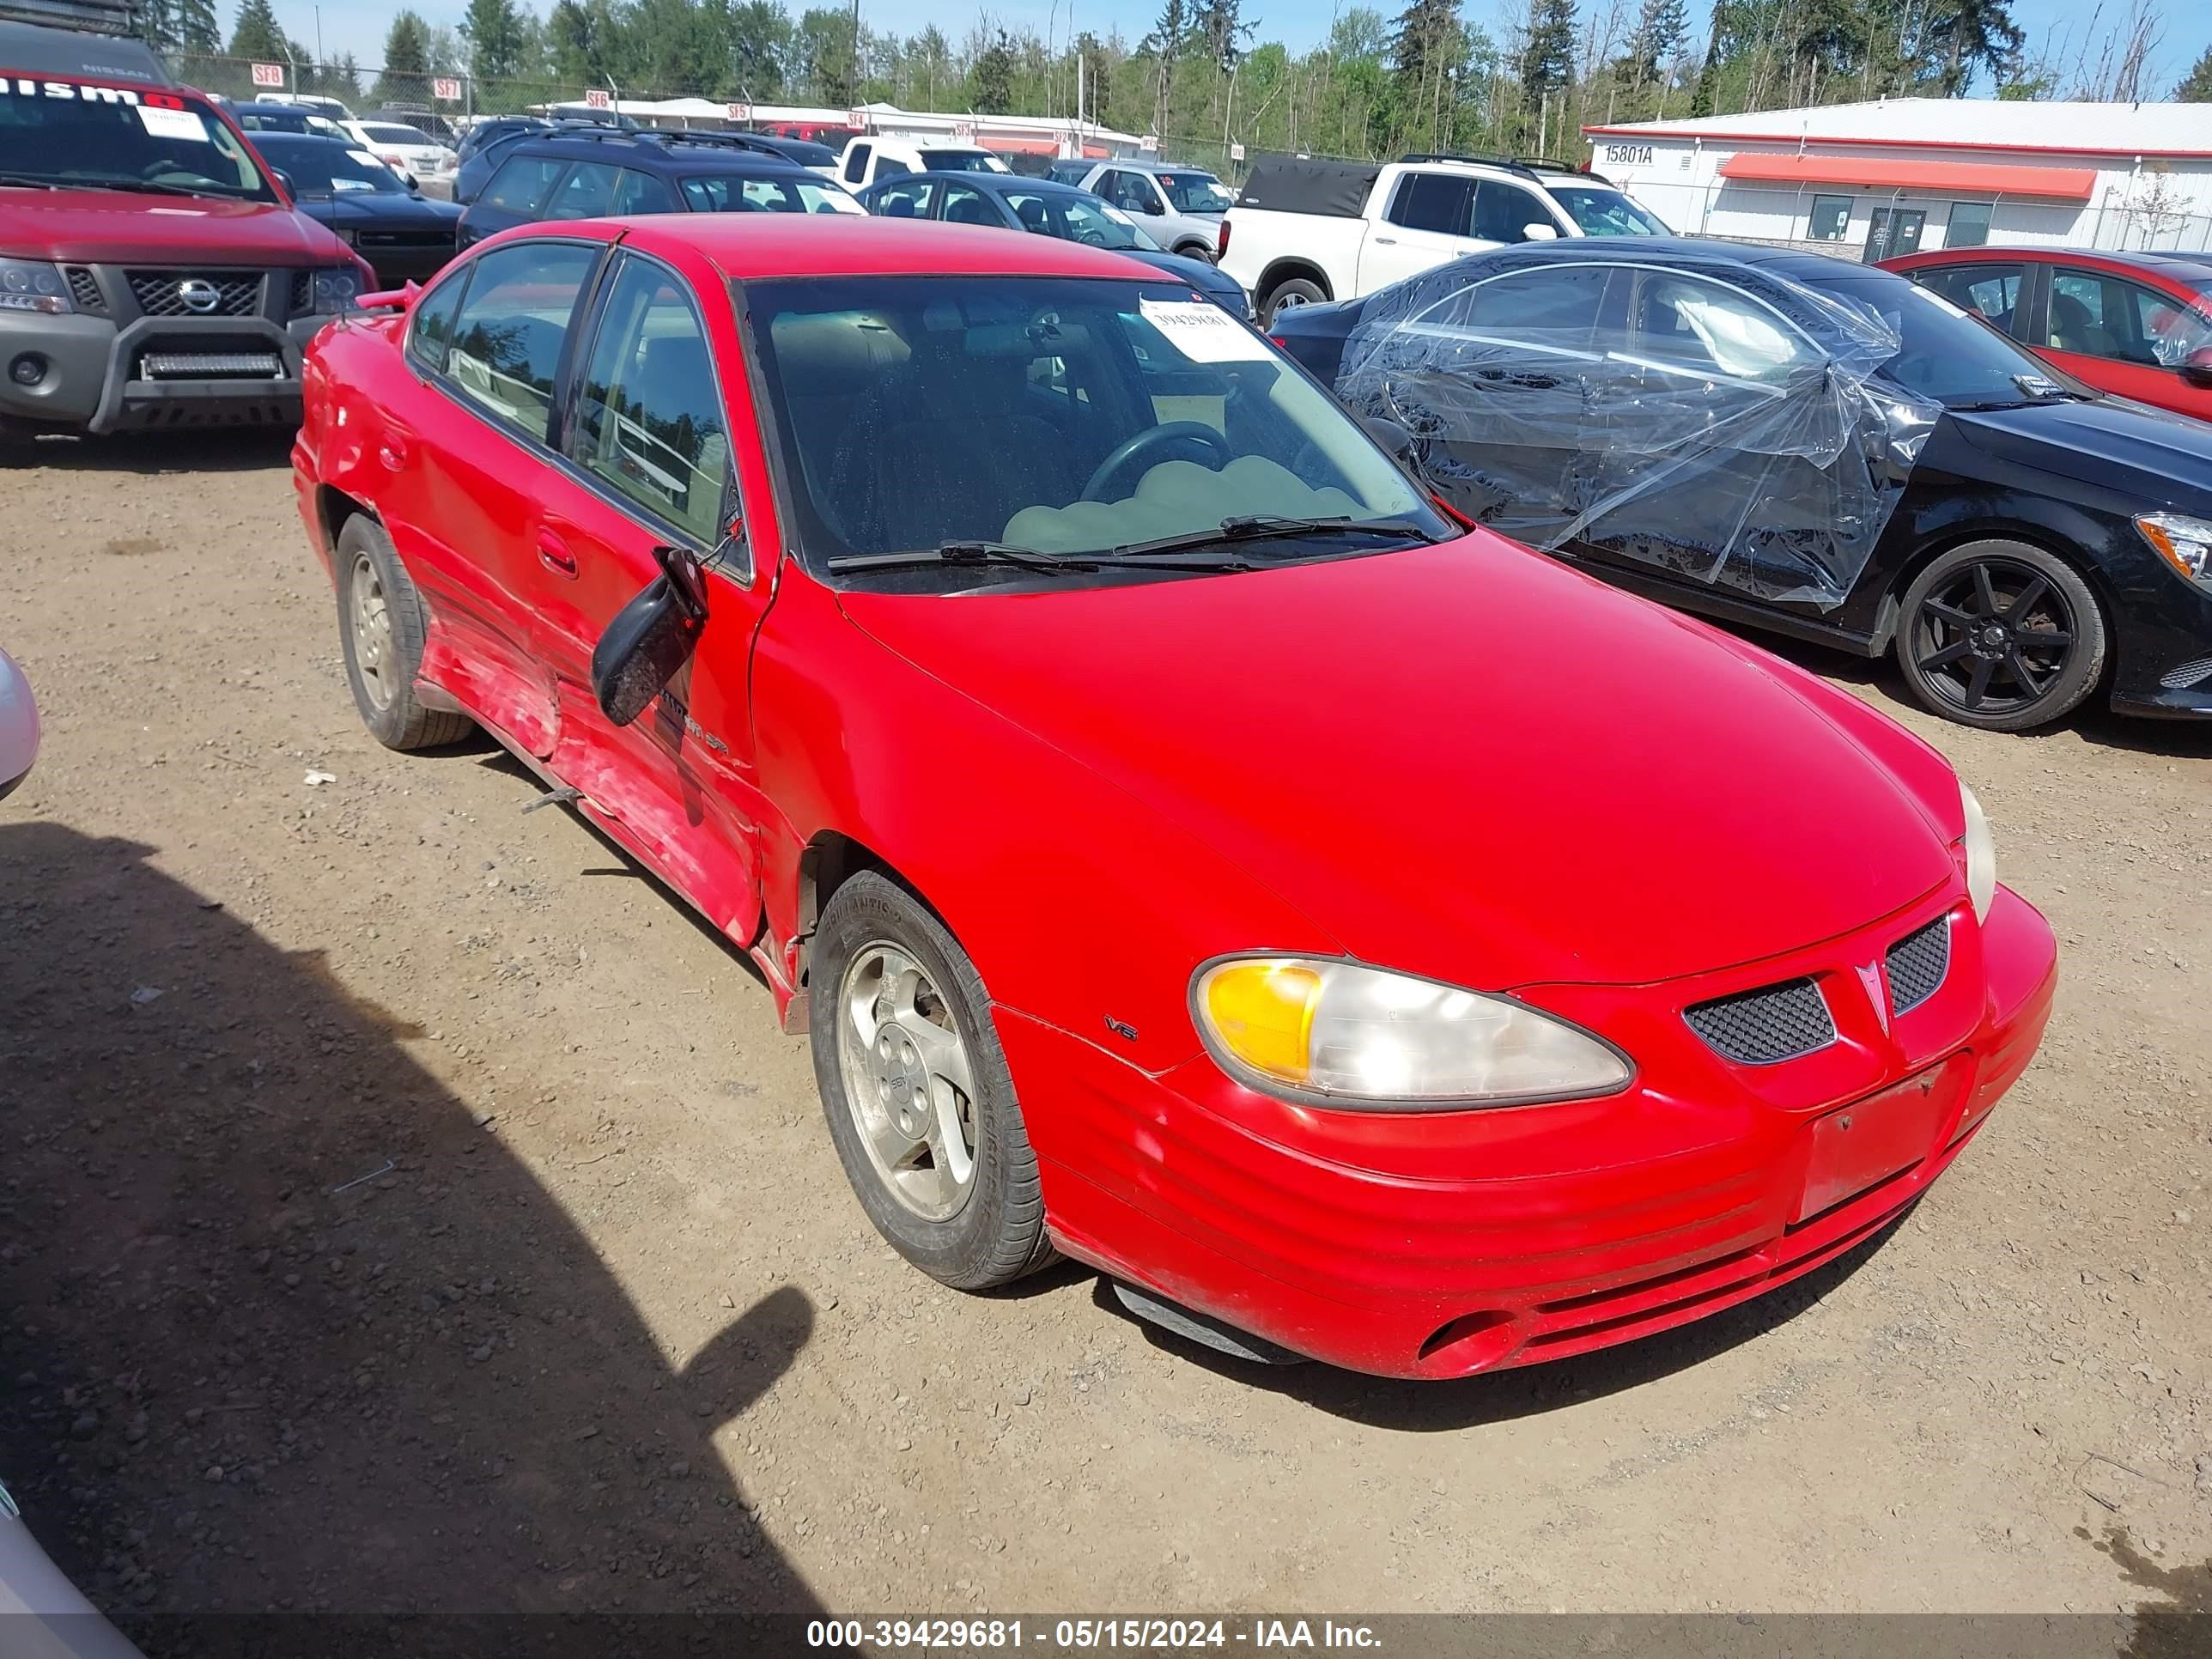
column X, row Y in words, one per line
column 393, row 450
column 1386, row 241
column 553, row 553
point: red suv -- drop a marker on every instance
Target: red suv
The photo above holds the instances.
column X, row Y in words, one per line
column 2135, row 324
column 1190, row 848
column 153, row 273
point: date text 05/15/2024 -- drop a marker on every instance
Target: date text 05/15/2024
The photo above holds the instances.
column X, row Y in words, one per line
column 1071, row 1635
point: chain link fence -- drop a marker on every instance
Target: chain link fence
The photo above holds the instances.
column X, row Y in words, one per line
column 442, row 101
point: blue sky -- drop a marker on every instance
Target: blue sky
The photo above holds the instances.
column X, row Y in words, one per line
column 1298, row 23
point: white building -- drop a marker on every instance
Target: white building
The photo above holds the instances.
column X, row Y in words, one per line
column 1873, row 179
column 1009, row 135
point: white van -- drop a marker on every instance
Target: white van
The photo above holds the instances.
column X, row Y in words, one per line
column 868, row 158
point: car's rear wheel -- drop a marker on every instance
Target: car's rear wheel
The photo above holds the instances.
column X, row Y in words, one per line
column 2002, row 636
column 1286, row 296
column 921, row 1106
column 381, row 627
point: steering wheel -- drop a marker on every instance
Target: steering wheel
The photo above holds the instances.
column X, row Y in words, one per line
column 1196, row 432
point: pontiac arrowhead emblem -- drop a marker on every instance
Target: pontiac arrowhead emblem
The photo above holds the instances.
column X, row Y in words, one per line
column 1870, row 976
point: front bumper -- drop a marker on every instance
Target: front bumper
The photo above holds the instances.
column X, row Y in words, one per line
column 1430, row 1246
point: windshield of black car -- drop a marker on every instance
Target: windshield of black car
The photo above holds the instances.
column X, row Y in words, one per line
column 1947, row 353
column 324, row 167
column 959, row 161
column 1065, row 415
column 81, row 135
column 1599, row 210
column 1197, row 192
column 1073, row 216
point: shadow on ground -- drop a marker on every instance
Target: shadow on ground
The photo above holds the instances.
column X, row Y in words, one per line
column 189, row 450
column 285, row 1330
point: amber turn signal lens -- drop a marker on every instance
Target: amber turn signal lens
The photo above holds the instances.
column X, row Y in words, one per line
column 1263, row 1012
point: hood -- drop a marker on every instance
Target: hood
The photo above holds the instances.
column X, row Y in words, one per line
column 2162, row 459
column 382, row 210
column 110, row 226
column 1465, row 760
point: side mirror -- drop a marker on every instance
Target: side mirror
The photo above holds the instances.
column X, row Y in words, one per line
column 650, row 638
column 283, row 180
column 2196, row 367
column 1540, row 233
column 1392, row 437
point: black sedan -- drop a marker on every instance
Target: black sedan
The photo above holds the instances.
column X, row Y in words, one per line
column 403, row 235
column 1009, row 201
column 1817, row 447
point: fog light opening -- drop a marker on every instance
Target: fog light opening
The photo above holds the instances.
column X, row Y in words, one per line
column 1471, row 1341
column 29, row 369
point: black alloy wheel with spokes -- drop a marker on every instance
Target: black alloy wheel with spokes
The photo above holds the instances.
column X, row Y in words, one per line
column 2002, row 636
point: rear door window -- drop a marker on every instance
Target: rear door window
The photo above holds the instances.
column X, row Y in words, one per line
column 1991, row 291
column 588, row 192
column 430, row 328
column 522, row 183
column 906, row 200
column 1442, row 202
column 965, row 205
column 641, row 193
column 509, row 330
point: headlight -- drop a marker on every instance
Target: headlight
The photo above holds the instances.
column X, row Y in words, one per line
column 1981, row 856
column 1336, row 1033
column 2183, row 542
column 335, row 289
column 33, row 285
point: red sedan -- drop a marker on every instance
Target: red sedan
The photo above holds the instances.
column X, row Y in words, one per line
column 2135, row 324
column 1188, row 849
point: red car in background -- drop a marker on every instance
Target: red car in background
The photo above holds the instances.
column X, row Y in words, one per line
column 1190, row 849
column 2138, row 325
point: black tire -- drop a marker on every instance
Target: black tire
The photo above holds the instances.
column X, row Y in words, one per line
column 2001, row 636
column 1197, row 251
column 997, row 1234
column 385, row 691
column 1297, row 291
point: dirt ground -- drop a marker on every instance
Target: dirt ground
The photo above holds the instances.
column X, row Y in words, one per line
column 405, row 1204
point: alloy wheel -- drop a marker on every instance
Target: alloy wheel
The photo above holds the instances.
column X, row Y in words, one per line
column 1994, row 639
column 909, row 1081
column 371, row 618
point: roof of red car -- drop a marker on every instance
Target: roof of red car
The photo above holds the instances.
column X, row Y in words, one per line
column 760, row 245
column 2192, row 270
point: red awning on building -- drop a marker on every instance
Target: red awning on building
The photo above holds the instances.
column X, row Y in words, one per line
column 1892, row 173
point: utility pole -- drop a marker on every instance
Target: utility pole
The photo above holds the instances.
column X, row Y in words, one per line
column 857, row 99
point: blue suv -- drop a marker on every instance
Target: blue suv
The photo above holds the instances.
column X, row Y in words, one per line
column 612, row 173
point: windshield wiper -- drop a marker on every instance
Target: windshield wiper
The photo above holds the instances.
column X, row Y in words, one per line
column 961, row 553
column 1026, row 558
column 147, row 187
column 1262, row 527
column 31, row 180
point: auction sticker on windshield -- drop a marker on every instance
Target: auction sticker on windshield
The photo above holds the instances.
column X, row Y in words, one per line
column 173, row 124
column 1203, row 331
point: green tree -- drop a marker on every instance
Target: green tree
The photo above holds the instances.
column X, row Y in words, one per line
column 1662, row 26
column 823, row 45
column 157, row 24
column 344, row 77
column 1169, row 40
column 1967, row 35
column 760, row 39
column 930, row 67
column 1097, row 72
column 2195, row 87
column 990, row 82
column 256, row 35
column 1547, row 54
column 497, row 37
column 406, row 45
column 196, row 27
column 585, row 40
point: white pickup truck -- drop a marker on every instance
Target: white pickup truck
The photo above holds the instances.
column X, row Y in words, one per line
column 1304, row 231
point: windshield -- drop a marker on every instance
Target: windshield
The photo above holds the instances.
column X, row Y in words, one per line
column 68, row 133
column 960, row 161
column 1065, row 415
column 385, row 133
column 322, row 167
column 1197, row 192
column 1946, row 353
column 1602, row 211
column 731, row 192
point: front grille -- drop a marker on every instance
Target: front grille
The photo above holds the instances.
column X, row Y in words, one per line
column 84, row 289
column 303, row 292
column 404, row 238
column 1760, row 1028
column 161, row 293
column 1917, row 965
column 2181, row 678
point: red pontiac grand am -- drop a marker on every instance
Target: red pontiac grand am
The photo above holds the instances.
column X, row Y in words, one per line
column 1188, row 849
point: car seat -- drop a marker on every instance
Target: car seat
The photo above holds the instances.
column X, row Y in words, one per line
column 972, row 210
column 1031, row 212
column 2072, row 329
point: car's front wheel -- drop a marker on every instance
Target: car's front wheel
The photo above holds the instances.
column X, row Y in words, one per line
column 2001, row 636
column 1286, row 296
column 921, row 1106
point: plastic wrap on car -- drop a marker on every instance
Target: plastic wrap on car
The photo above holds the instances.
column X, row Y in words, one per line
column 1768, row 464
